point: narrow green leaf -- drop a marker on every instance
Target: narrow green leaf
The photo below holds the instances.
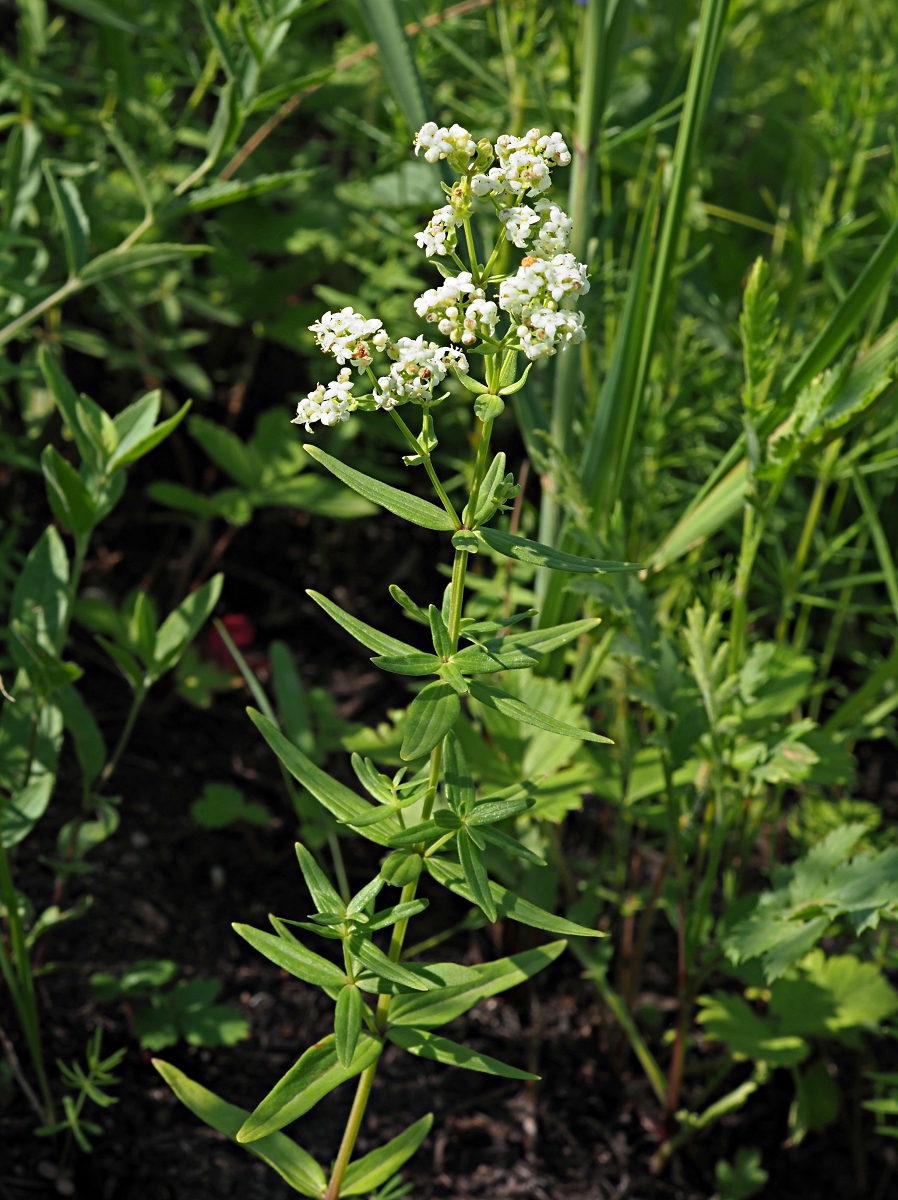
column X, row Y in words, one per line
column 130, row 450
column 457, row 776
column 375, row 1168
column 231, row 191
column 471, row 859
column 94, row 10
column 73, row 221
column 219, row 41
column 86, row 438
column 375, row 960
column 880, row 541
column 292, row 956
column 442, row 643
column 409, row 664
column 347, row 1023
column 524, row 550
column 373, row 639
column 510, row 706
column 450, row 875
column 90, row 748
column 315, row 1074
column 442, row 1005
column 430, row 716
column 336, row 798
column 290, row 1161
column 323, row 893
column 383, row 20
column 136, row 421
column 40, row 598
column 410, row 508
column 511, row 845
column 117, row 262
column 227, row 451
column 442, row 1050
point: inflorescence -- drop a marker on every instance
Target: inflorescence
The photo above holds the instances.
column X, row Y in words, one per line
column 539, row 300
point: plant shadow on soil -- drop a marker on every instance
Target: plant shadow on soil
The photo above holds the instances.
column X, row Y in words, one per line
column 164, row 888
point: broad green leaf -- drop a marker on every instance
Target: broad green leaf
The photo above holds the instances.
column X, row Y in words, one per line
column 181, row 626
column 136, row 421
column 471, row 858
column 430, row 716
column 837, row 996
column 125, row 661
column 40, row 598
column 25, row 806
column 315, row 1074
column 410, row 508
column 335, row 797
column 220, row 805
column 442, row 1050
column 227, row 451
column 510, row 706
column 292, row 956
column 383, row 20
column 457, row 776
column 373, row 639
column 71, row 502
column 450, row 875
column 117, row 262
column 742, row 1178
column 290, row 1161
column 375, row 1168
column 46, row 671
column 130, row 451
column 86, row 436
column 442, row 643
column 442, row 1005
column 90, row 748
column 347, row 1022
column 730, row 1019
column 524, row 550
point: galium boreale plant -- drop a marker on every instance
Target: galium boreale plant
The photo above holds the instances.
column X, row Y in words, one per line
column 429, row 817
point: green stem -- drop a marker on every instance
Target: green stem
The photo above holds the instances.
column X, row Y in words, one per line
column 428, row 466
column 139, row 697
column 479, row 471
column 351, row 1132
column 23, row 995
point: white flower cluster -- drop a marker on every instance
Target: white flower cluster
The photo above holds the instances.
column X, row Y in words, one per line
column 525, row 165
column 439, row 237
column 551, row 223
column 440, row 142
column 346, row 334
column 330, row 405
column 418, row 367
column 541, row 298
column 461, row 310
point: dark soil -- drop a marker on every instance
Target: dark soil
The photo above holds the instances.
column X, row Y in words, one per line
column 164, row 888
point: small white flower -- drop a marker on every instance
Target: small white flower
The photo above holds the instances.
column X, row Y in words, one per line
column 440, row 142
column 345, row 334
column 460, row 310
column 525, row 165
column 330, row 405
column 554, row 234
column 418, row 367
column 519, row 222
column 541, row 297
column 439, row 236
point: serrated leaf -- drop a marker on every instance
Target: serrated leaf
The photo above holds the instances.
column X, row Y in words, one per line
column 315, row 1074
column 442, row 1050
column 410, row 508
column 729, row 1019
column 291, row 1162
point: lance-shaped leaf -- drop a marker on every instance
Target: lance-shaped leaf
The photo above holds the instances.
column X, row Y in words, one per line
column 347, row 1022
column 325, row 896
column 373, row 639
column 471, row 858
column 435, row 976
column 459, row 784
column 180, row 627
column 335, row 797
column 118, row 262
column 410, row 508
column 511, row 845
column 525, row 550
column 442, row 1005
column 409, row 664
column 442, row 1050
column 510, row 706
column 312, row 1077
column 450, row 875
column 290, row 1161
column 371, row 1170
column 430, row 716
column 71, row 502
column 377, row 962
column 292, row 956
column 133, row 447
